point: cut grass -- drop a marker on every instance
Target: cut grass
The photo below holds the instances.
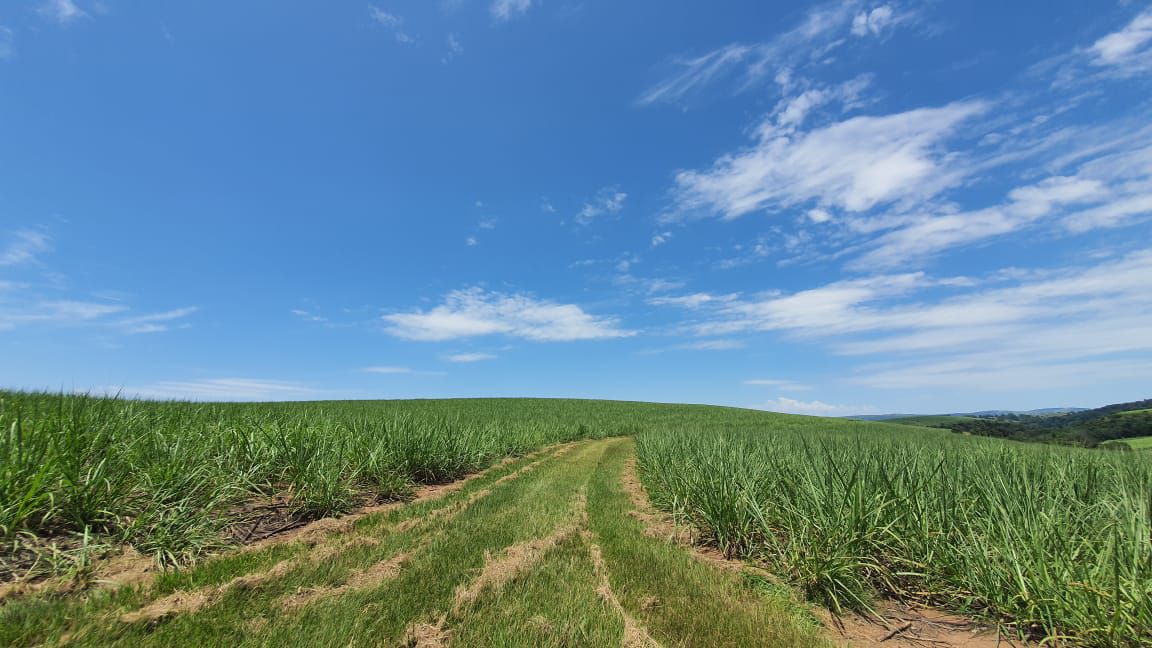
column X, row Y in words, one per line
column 554, row 596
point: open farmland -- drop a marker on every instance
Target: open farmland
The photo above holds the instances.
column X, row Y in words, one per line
column 230, row 505
column 1136, row 443
column 1052, row 541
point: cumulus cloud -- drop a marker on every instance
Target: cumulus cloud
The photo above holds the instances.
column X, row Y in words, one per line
column 873, row 22
column 475, row 312
column 505, row 10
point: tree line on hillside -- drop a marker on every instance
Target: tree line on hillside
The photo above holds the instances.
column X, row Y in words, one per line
column 1088, row 428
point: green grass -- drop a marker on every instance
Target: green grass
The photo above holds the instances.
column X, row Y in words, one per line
column 1136, row 443
column 555, row 600
column 1139, row 412
column 1051, row 541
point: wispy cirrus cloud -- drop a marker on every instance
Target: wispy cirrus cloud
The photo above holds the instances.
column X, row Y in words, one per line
column 1129, row 47
column 392, row 22
column 785, row 385
column 609, row 201
column 69, row 313
column 852, row 165
column 824, row 28
column 221, row 389
column 61, row 12
column 25, row 245
column 468, row 358
column 386, row 370
column 475, row 312
column 154, row 322
column 63, row 313
column 7, row 43
column 957, row 331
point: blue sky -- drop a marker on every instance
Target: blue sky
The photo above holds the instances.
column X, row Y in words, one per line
column 827, row 208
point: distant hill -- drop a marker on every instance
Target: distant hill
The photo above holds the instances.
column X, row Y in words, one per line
column 1047, row 411
column 935, row 420
column 1085, row 427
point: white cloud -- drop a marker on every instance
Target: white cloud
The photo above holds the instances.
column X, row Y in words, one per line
column 813, row 408
column 58, row 313
column 546, row 206
column 784, row 385
column 455, row 48
column 61, row 12
column 505, row 10
column 823, row 30
column 694, row 301
column 712, row 345
column 7, row 43
column 661, row 238
column 475, row 312
column 393, row 23
column 221, row 389
column 853, row 165
column 608, row 201
column 77, row 313
column 24, row 249
column 307, row 315
column 1127, row 45
column 819, row 215
column 791, row 112
column 959, row 332
column 386, row 370
column 469, row 357
column 873, row 22
column 646, row 285
column 929, row 234
column 154, row 322
column 471, row 241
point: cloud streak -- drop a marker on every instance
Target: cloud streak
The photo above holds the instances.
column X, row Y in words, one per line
column 853, row 165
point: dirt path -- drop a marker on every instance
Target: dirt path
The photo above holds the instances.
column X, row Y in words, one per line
column 555, row 549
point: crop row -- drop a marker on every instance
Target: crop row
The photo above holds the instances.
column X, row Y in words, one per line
column 1055, row 542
